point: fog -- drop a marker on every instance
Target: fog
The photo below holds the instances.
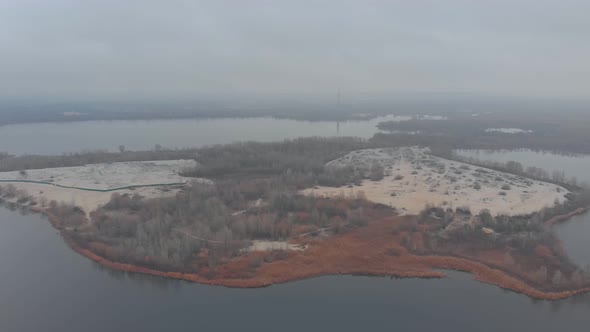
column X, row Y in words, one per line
column 170, row 50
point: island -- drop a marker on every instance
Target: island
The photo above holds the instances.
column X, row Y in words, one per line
column 257, row 214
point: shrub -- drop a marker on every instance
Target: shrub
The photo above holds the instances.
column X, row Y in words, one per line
column 463, row 210
column 255, row 262
column 393, row 252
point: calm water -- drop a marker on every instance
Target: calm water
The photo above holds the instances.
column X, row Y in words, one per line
column 578, row 166
column 57, row 138
column 44, row 286
column 575, row 234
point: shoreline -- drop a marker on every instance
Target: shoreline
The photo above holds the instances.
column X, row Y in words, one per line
column 415, row 267
column 565, row 217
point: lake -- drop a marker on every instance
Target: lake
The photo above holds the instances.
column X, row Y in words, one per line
column 575, row 234
column 572, row 165
column 45, row 286
column 65, row 137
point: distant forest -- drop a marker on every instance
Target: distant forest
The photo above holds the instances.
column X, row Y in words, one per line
column 321, row 109
column 565, row 133
column 15, row 113
column 559, row 132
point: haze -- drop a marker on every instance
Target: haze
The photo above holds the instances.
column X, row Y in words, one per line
column 186, row 49
column 417, row 165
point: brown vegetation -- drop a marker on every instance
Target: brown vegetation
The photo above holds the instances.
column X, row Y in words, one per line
column 199, row 234
column 198, row 230
column 373, row 250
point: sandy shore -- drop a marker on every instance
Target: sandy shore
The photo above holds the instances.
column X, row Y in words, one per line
column 414, row 179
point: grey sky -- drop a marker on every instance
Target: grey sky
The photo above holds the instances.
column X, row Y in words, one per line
column 184, row 49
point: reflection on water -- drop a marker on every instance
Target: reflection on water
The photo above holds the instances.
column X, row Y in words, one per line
column 141, row 280
column 574, row 235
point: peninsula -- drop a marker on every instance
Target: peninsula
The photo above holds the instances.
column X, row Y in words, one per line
column 256, row 214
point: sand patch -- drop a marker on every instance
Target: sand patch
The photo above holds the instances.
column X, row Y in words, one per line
column 258, row 245
column 107, row 176
column 93, row 184
column 414, row 178
column 87, row 200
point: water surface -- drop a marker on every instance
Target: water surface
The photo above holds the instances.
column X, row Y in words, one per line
column 44, row 286
column 58, row 138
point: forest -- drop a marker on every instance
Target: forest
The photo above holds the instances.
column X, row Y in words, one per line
column 301, row 155
column 525, row 245
column 254, row 196
column 171, row 233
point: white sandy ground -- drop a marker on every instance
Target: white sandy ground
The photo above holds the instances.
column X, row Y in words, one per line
column 87, row 200
column 115, row 175
column 101, row 176
column 441, row 182
column 258, row 245
column 107, row 176
column 508, row 130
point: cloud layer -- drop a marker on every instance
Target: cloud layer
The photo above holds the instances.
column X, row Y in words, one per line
column 185, row 49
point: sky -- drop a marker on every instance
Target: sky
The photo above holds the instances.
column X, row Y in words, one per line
column 105, row 49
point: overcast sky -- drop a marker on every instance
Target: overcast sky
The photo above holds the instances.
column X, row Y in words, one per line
column 185, row 49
